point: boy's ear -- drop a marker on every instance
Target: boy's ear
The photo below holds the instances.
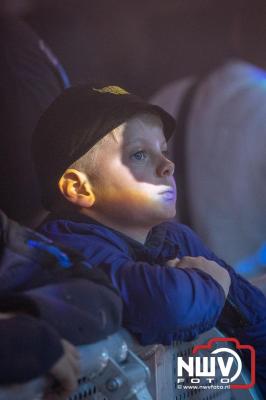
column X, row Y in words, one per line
column 76, row 188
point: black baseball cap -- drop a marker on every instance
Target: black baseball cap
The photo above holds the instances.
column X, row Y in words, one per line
column 75, row 121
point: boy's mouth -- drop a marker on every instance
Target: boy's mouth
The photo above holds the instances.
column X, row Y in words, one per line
column 168, row 194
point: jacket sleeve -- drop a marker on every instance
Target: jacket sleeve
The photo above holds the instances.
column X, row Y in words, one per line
column 161, row 304
column 81, row 311
column 248, row 300
column 28, row 349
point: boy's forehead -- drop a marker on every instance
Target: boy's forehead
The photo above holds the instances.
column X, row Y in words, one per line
column 142, row 127
column 145, row 119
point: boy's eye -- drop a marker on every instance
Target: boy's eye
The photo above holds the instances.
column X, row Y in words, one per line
column 139, row 155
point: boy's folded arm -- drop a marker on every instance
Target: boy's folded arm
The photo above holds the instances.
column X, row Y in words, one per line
column 158, row 300
column 220, row 275
column 161, row 299
column 244, row 297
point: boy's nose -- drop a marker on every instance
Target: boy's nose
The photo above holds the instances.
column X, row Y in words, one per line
column 166, row 168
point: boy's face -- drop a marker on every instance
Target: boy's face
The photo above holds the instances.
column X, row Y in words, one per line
column 134, row 181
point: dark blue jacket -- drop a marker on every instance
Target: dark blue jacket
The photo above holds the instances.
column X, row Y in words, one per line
column 161, row 303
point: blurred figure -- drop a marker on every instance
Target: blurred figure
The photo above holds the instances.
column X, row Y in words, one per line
column 222, row 118
column 30, row 78
column 42, row 352
column 45, row 311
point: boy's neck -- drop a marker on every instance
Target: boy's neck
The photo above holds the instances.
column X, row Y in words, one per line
column 137, row 233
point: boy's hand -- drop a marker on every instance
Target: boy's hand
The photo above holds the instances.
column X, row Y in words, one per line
column 217, row 272
column 65, row 372
column 173, row 263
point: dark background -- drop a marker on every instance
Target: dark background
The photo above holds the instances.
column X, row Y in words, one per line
column 143, row 44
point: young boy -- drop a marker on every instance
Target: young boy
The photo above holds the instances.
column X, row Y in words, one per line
column 101, row 158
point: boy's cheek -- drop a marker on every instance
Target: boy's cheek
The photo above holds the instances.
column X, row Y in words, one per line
column 135, row 202
column 126, row 196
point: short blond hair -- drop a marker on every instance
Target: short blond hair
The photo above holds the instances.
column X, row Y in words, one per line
column 88, row 162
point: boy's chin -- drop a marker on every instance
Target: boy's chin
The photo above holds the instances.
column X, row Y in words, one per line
column 170, row 214
column 165, row 213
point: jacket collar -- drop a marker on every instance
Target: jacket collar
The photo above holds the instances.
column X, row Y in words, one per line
column 156, row 249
